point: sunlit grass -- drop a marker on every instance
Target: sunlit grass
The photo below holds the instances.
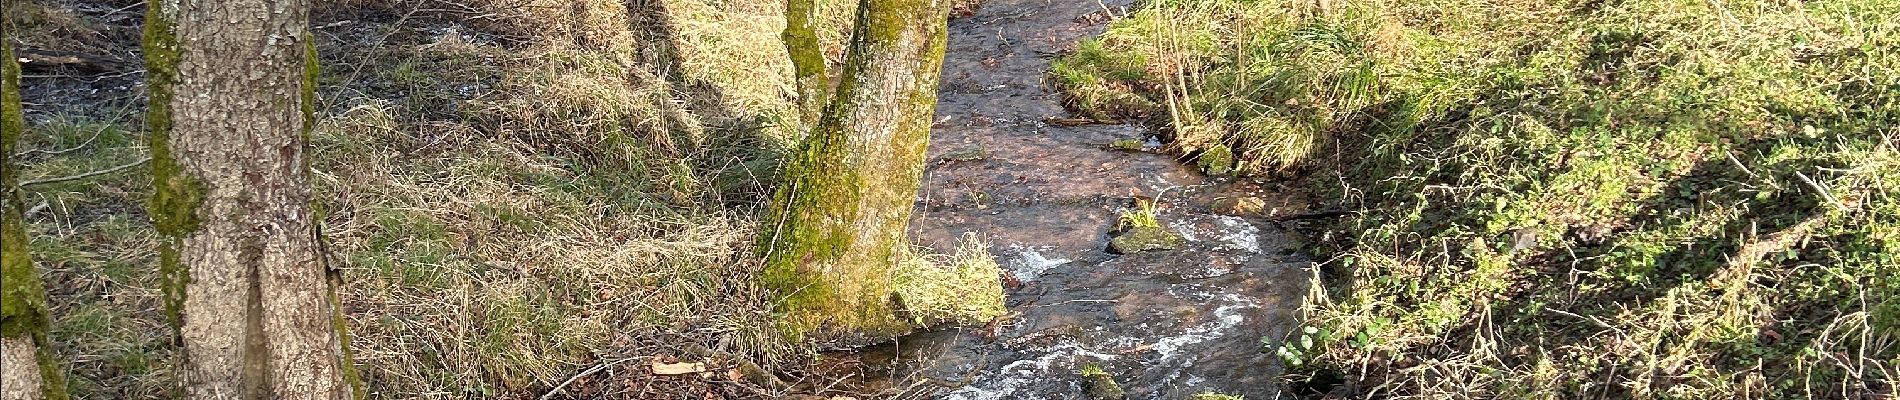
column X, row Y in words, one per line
column 1650, row 199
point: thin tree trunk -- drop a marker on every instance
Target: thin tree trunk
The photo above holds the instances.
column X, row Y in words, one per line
column 232, row 99
column 808, row 61
column 836, row 225
column 27, row 369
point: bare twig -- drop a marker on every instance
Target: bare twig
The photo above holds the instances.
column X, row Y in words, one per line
column 1074, row 301
column 141, row 161
column 81, row 145
column 590, row 371
column 1744, row 168
column 1823, row 190
column 35, row 210
column 123, row 9
column 1593, row 320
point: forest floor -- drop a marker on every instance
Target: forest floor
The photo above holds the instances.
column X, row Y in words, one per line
column 522, row 195
column 1622, row 199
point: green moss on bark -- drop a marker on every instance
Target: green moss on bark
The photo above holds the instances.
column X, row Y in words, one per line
column 175, row 194
column 808, row 59
column 819, row 189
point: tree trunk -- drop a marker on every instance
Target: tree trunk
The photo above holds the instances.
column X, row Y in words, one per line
column 808, row 61
column 836, row 225
column 232, row 87
column 27, row 369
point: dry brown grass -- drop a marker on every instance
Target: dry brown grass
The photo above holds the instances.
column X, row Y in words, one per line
column 515, row 191
column 565, row 210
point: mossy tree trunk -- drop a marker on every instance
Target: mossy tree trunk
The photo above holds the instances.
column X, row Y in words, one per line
column 808, row 60
column 27, row 367
column 249, row 295
column 835, row 231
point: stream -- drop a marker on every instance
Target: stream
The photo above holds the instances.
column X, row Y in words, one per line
column 1164, row 324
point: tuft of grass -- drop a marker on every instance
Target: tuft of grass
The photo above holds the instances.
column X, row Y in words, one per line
column 964, row 288
column 1099, row 83
column 1642, row 199
column 1263, row 82
column 1090, row 370
column 1142, row 215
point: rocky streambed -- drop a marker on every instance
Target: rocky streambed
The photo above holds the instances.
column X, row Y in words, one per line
column 1184, row 317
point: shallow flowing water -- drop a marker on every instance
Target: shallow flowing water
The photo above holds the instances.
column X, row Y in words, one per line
column 1164, row 324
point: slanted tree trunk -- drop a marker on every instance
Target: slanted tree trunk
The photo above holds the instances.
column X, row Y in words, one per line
column 27, row 369
column 232, row 100
column 835, row 230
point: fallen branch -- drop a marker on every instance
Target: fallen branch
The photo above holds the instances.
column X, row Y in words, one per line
column 81, row 145
column 1591, row 319
column 35, row 182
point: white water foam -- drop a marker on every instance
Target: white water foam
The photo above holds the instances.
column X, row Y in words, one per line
column 1014, row 380
column 1030, row 263
column 1238, row 234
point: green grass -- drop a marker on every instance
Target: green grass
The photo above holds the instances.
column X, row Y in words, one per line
column 95, row 248
column 1645, row 198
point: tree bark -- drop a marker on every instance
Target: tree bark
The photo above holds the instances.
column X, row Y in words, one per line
column 27, row 367
column 836, row 224
column 249, row 296
column 808, row 61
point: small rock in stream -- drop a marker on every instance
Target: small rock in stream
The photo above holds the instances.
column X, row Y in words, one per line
column 1217, row 160
column 1141, row 239
column 1240, row 206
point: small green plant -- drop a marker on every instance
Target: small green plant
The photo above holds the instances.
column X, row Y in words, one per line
column 1142, row 215
column 1296, row 352
column 1098, row 384
column 1090, row 370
